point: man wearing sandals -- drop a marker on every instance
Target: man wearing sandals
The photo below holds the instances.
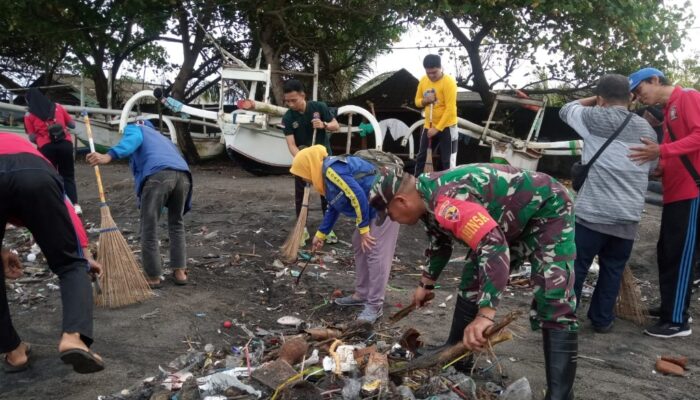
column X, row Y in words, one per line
column 505, row 216
column 32, row 195
column 162, row 179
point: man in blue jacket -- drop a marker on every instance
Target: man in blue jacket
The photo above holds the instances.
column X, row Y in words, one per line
column 162, row 179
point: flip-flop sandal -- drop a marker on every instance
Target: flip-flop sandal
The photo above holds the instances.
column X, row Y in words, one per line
column 83, row 362
column 180, row 282
column 11, row 369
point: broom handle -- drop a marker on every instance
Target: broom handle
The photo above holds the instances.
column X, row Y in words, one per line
column 92, row 149
column 347, row 146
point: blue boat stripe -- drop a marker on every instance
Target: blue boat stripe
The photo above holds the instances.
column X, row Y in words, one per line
column 686, row 263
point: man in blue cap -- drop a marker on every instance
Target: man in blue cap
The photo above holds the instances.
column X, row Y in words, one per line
column 679, row 162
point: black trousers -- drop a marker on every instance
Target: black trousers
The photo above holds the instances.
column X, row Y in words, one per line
column 299, row 185
column 444, row 143
column 30, row 191
column 61, row 156
column 677, row 254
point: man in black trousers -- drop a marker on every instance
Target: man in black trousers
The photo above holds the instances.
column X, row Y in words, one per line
column 32, row 195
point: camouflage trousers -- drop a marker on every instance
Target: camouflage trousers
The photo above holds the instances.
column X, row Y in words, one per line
column 548, row 244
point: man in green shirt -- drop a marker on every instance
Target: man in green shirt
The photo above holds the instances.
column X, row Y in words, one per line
column 300, row 121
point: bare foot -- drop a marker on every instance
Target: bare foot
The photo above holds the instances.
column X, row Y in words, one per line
column 70, row 341
column 18, row 356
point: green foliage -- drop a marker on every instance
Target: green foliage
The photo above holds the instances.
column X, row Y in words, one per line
column 81, row 35
column 686, row 72
column 347, row 34
column 580, row 39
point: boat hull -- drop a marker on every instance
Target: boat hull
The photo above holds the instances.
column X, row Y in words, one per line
column 208, row 147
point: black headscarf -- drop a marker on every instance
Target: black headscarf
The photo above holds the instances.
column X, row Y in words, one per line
column 40, row 105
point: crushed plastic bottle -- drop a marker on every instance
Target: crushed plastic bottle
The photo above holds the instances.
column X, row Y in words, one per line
column 351, row 390
column 406, row 393
column 518, row 390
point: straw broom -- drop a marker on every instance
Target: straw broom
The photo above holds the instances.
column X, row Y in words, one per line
column 429, row 155
column 290, row 247
column 123, row 283
column 629, row 303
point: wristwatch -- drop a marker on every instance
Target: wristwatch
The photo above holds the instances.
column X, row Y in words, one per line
column 426, row 287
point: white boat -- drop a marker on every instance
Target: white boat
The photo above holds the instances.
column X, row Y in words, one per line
column 252, row 136
column 106, row 133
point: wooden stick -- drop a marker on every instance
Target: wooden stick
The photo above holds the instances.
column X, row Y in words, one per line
column 429, row 154
column 401, row 314
column 495, row 334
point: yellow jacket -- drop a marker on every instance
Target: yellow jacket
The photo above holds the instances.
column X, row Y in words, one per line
column 445, row 108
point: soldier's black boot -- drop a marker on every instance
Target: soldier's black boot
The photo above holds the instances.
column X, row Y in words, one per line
column 464, row 314
column 560, row 355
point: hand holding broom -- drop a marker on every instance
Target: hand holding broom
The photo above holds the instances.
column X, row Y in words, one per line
column 123, row 282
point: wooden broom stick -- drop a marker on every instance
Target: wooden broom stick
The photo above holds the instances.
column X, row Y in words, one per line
column 429, row 155
column 123, row 282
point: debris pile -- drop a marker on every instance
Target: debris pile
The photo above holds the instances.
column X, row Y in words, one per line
column 302, row 360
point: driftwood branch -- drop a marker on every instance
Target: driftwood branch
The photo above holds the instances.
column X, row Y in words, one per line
column 495, row 334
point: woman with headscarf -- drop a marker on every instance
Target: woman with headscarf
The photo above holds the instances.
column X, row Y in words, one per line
column 46, row 124
column 346, row 181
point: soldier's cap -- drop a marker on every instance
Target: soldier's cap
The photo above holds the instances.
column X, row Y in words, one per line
column 385, row 186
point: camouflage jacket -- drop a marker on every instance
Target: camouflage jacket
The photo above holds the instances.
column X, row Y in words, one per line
column 487, row 207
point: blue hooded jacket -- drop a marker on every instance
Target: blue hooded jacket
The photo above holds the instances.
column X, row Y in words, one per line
column 149, row 152
column 347, row 180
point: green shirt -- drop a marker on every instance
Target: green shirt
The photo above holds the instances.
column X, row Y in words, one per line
column 299, row 124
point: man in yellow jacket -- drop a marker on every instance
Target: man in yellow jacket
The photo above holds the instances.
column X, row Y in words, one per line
column 437, row 93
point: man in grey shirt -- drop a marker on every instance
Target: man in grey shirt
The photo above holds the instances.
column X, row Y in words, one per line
column 609, row 205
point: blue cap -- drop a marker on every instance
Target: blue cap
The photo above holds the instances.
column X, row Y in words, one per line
column 644, row 73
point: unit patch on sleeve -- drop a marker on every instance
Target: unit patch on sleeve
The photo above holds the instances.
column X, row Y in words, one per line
column 466, row 220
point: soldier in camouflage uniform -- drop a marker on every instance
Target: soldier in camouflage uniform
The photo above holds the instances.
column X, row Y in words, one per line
column 505, row 216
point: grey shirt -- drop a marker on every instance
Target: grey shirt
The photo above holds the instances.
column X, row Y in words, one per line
column 612, row 198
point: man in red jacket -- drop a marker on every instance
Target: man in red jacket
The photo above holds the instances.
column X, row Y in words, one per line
column 679, row 163
column 31, row 194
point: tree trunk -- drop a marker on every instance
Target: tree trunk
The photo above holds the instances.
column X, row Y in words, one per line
column 101, row 86
column 190, row 55
column 481, row 84
column 272, row 58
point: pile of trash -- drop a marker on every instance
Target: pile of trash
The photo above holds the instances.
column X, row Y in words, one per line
column 299, row 360
column 37, row 281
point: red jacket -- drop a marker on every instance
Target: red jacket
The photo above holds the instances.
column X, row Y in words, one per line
column 32, row 124
column 682, row 112
column 14, row 144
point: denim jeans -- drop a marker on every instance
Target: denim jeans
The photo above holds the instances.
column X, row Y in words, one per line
column 169, row 189
column 613, row 253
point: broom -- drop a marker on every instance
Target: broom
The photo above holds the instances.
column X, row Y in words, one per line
column 629, row 302
column 290, row 248
column 123, row 282
column 429, row 156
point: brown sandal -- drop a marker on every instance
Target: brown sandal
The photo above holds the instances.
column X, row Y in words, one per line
column 11, row 369
column 180, row 282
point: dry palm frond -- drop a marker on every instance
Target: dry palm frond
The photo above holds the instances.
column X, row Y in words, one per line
column 629, row 302
column 290, row 248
